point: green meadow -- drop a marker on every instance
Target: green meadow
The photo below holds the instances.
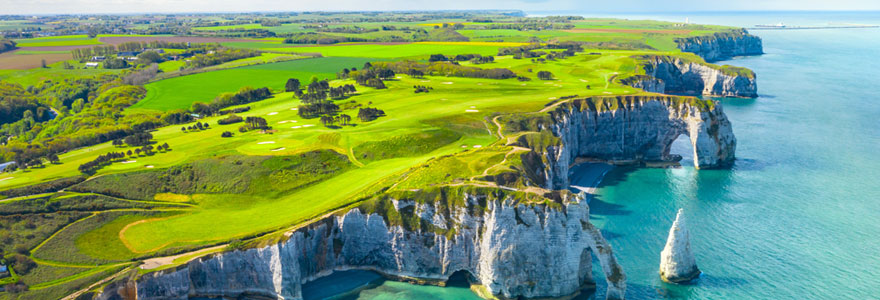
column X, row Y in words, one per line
column 181, row 92
column 397, row 51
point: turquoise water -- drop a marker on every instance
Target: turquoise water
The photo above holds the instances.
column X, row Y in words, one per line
column 797, row 217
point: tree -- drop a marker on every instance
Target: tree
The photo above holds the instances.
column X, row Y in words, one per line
column 43, row 64
column 226, row 134
column 545, row 75
column 165, row 145
column 344, row 119
column 292, row 85
column 149, row 57
column 115, row 63
column 129, row 152
column 53, row 158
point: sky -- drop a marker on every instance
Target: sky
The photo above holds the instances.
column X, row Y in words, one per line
column 604, row 6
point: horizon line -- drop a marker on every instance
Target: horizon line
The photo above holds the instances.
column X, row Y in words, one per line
column 437, row 10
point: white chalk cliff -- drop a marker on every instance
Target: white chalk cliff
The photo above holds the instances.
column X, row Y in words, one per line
column 513, row 247
column 677, row 262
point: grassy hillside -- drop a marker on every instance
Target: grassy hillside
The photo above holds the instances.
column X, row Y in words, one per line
column 438, row 133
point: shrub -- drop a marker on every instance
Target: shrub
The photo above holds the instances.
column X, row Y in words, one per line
column 230, row 120
column 226, row 134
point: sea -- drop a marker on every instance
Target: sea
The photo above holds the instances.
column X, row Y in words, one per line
column 798, row 214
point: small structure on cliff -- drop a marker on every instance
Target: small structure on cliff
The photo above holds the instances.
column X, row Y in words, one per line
column 677, row 263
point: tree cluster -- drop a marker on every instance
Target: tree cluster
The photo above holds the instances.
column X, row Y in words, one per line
column 342, row 119
column 253, row 123
column 368, row 114
column 236, row 110
column 422, row 89
column 219, row 56
column 231, row 119
column 244, row 96
column 6, row 45
column 545, row 75
column 320, row 38
column 199, row 126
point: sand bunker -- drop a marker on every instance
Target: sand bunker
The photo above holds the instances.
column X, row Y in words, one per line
column 278, row 149
column 272, row 113
column 448, row 82
column 471, row 110
column 478, row 146
column 129, row 161
column 296, row 127
column 265, row 143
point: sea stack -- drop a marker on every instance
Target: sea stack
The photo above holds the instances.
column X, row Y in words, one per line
column 677, row 263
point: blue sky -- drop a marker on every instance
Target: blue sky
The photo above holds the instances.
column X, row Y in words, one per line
column 602, row 6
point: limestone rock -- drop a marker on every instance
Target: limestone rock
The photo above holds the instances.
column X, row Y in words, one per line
column 641, row 128
column 677, row 262
column 686, row 77
column 513, row 249
column 723, row 45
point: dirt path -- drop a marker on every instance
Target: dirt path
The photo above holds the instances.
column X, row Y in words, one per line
column 102, row 281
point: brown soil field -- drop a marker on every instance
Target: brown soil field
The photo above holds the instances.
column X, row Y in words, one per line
column 10, row 60
column 617, row 30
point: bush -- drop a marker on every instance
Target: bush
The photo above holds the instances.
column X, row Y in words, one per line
column 226, row 134
column 230, row 120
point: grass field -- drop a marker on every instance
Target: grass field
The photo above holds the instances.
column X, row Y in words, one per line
column 57, row 41
column 284, row 28
column 181, row 92
column 416, row 50
column 451, row 103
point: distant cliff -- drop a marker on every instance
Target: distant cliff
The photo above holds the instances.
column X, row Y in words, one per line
column 722, row 45
column 689, row 76
column 515, row 244
column 624, row 129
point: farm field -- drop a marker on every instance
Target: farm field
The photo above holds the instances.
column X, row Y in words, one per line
column 181, row 92
column 414, row 50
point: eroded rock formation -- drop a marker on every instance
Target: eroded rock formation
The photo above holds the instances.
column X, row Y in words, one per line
column 688, row 77
column 513, row 247
column 677, row 262
column 722, row 45
column 636, row 129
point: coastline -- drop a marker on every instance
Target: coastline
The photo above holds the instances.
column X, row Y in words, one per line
column 586, row 177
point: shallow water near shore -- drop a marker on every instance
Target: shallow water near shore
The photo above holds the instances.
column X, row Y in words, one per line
column 796, row 217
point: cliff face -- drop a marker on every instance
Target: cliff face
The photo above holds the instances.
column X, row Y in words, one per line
column 513, row 248
column 635, row 128
column 686, row 77
column 722, row 45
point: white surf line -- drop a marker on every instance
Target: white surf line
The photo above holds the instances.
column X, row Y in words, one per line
column 266, row 143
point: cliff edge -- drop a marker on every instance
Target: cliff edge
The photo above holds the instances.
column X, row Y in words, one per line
column 722, row 45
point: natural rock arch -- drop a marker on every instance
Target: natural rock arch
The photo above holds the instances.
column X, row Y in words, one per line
column 636, row 129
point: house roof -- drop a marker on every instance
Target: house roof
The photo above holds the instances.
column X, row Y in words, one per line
column 3, row 268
